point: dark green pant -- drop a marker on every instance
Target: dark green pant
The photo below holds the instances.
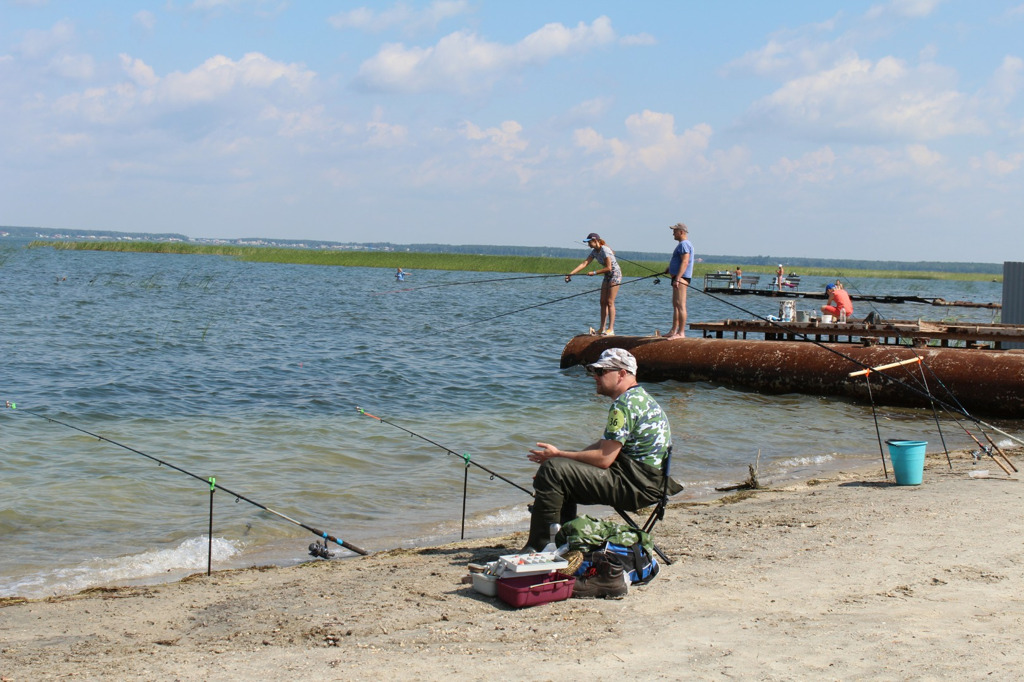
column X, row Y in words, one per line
column 562, row 483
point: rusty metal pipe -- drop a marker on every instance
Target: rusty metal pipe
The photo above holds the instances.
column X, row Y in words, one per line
column 989, row 383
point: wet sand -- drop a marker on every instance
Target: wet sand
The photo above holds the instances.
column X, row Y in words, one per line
column 847, row 578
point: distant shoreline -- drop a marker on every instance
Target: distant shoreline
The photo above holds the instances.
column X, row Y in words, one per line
column 412, row 261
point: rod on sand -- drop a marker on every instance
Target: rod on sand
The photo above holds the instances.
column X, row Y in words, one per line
column 209, row 481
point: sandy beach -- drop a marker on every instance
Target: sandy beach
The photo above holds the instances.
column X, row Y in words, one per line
column 847, row 578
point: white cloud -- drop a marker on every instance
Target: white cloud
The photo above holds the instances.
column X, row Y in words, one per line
column 141, row 73
column 795, row 51
column 913, row 9
column 218, row 76
column 494, row 153
column 917, row 163
column 1007, row 80
column 502, row 142
column 399, row 15
column 250, row 82
column 214, row 5
column 922, row 157
column 38, row 44
column 859, row 98
column 73, row 67
column 463, row 62
column 584, row 113
column 145, row 19
column 313, row 122
column 994, row 164
column 383, row 134
column 817, row 166
column 651, row 145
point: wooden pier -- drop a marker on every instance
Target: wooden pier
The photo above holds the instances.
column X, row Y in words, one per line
column 725, row 283
column 916, row 333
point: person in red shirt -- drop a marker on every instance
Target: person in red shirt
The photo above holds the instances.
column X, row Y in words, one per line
column 838, row 300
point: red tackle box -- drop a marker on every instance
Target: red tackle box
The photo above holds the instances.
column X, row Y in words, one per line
column 530, row 590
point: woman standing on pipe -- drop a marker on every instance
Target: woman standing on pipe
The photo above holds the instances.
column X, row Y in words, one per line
column 601, row 252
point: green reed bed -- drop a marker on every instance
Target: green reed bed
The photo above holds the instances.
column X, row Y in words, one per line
column 470, row 262
column 406, row 260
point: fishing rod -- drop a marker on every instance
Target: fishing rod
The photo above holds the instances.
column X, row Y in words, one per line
column 465, row 458
column 544, row 303
column 212, row 483
column 924, row 383
column 640, row 265
column 960, row 408
column 963, row 410
column 914, row 389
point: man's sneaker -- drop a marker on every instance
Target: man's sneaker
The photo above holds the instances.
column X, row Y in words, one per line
column 605, row 578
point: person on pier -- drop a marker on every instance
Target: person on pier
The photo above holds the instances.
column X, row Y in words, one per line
column 839, row 305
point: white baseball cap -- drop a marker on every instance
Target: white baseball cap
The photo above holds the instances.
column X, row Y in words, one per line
column 615, row 358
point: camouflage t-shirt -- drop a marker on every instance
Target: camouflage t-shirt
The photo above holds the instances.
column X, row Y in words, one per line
column 637, row 421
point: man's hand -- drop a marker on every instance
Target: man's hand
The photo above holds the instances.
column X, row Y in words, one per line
column 600, row 454
column 544, row 452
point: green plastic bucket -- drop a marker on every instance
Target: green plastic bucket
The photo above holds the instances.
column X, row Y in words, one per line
column 907, row 457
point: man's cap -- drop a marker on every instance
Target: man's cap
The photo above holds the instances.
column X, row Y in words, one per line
column 830, row 287
column 680, row 226
column 592, row 235
column 615, row 358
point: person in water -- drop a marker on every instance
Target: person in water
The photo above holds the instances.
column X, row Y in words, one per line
column 602, row 253
column 680, row 270
column 400, row 275
column 625, row 469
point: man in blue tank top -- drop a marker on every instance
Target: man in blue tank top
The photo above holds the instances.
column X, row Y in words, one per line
column 680, row 268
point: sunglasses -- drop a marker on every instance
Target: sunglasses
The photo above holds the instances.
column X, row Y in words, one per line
column 599, row 371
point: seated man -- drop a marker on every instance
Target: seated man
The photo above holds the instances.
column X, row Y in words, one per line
column 624, row 469
column 838, row 300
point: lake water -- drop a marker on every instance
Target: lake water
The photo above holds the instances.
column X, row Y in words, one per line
column 252, row 373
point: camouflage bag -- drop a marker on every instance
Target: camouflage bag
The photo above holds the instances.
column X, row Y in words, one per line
column 587, row 534
column 631, row 548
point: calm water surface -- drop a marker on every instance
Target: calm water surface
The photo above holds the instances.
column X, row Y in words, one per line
column 252, row 373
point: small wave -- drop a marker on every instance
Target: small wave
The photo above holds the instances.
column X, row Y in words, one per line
column 796, row 462
column 151, row 565
column 502, row 518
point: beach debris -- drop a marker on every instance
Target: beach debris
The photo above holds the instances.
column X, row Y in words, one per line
column 752, row 483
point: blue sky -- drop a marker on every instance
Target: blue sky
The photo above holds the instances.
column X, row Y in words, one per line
column 888, row 130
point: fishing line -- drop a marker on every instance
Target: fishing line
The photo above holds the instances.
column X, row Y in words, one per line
column 557, row 300
column 912, row 388
column 871, row 304
column 876, row 314
column 639, row 265
column 977, row 421
column 206, row 481
column 465, row 457
column 469, row 281
column 949, row 394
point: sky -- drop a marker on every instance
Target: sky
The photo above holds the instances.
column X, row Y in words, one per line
column 889, row 130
